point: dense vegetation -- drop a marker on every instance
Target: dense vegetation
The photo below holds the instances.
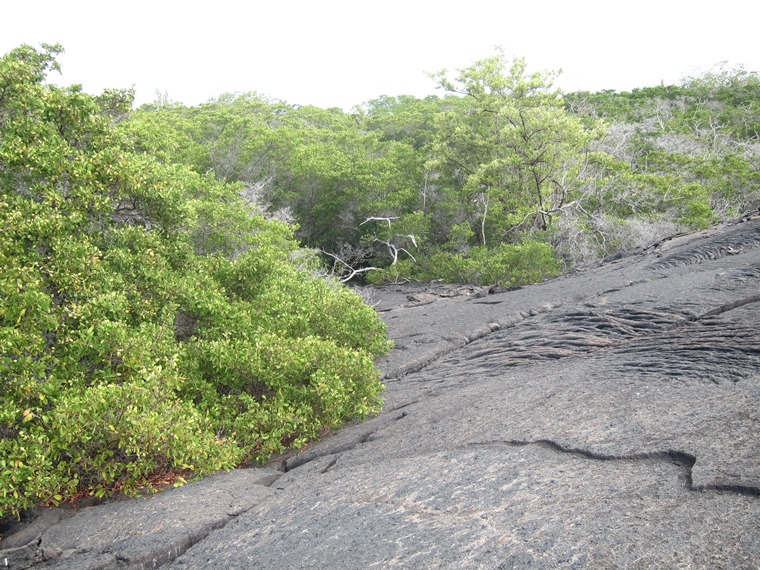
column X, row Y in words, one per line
column 502, row 179
column 163, row 299
column 151, row 322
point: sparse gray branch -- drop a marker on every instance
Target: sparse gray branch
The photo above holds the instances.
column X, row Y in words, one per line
column 349, row 272
column 394, row 250
column 374, row 218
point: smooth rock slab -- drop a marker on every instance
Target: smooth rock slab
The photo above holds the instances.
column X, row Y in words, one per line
column 145, row 532
column 489, row 506
column 605, row 419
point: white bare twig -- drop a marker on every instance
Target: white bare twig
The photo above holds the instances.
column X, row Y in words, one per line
column 349, row 270
column 394, row 250
column 373, row 218
column 411, row 237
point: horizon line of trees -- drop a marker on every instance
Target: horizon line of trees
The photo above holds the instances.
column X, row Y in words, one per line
column 503, row 179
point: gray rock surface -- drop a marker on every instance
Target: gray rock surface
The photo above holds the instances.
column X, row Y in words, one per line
column 606, row 419
column 138, row 533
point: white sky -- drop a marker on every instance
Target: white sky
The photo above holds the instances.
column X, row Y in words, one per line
column 342, row 53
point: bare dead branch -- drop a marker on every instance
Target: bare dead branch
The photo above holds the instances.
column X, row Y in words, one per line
column 350, row 272
column 373, row 218
column 394, row 250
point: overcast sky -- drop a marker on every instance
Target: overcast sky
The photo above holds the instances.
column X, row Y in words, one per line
column 339, row 53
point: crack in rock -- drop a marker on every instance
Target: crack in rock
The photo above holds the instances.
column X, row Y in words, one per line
column 730, row 306
column 330, row 465
column 335, row 446
column 157, row 531
column 685, row 461
column 331, row 447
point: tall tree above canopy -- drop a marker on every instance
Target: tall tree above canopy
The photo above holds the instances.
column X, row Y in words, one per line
column 514, row 147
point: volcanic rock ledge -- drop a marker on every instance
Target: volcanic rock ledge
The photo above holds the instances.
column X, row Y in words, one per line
column 609, row 418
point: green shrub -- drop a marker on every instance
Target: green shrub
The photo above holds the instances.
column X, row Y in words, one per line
column 506, row 264
column 151, row 323
column 403, row 270
column 267, row 385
